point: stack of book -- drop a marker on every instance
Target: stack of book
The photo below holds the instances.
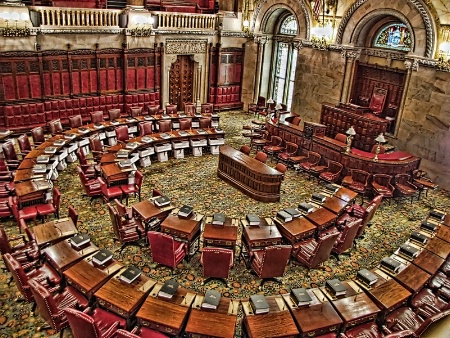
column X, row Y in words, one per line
column 300, row 297
column 211, row 300
column 80, row 240
column 39, row 185
column 50, row 150
column 390, row 264
column 293, row 212
column 259, row 304
column 83, row 130
column 437, row 214
column 146, row 139
column 122, row 153
column 132, row 145
column 183, row 133
column 97, row 126
column 419, row 238
column 366, row 277
column 318, row 197
column 39, row 169
column 201, row 131
column 185, row 211
column 70, row 136
column 59, row 143
column 218, row 218
column 335, row 287
column 332, row 188
column 284, row 216
column 130, row 119
column 305, row 207
column 114, row 122
column 408, row 251
column 169, row 288
column 125, row 163
column 130, row 274
column 148, row 118
column 43, row 159
column 162, row 201
column 253, row 219
column 429, row 226
column 164, row 136
column 102, row 257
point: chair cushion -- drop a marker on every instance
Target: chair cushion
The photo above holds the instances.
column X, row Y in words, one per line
column 404, row 189
column 104, row 319
column 45, row 209
column 28, row 212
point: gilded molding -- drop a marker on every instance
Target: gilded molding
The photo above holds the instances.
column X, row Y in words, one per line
column 185, row 46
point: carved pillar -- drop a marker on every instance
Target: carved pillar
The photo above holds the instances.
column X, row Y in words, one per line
column 349, row 70
column 410, row 65
column 260, row 43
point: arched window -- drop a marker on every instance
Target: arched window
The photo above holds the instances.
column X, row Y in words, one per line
column 393, row 36
column 285, row 63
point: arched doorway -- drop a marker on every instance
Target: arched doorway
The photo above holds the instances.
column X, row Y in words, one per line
column 181, row 81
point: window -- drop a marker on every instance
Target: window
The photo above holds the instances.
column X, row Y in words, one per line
column 394, row 36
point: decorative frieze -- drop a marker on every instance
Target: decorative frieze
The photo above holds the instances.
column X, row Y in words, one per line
column 186, row 46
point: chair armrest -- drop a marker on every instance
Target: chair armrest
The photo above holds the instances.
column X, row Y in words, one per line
column 431, row 320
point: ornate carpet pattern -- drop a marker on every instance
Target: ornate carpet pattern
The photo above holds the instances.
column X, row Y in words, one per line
column 193, row 181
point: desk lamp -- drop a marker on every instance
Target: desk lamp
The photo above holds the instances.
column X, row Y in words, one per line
column 278, row 107
column 350, row 133
column 380, row 140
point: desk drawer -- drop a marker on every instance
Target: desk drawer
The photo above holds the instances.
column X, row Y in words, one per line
column 113, row 308
column 265, row 243
column 219, row 242
column 324, row 330
column 76, row 286
column 158, row 327
column 361, row 320
column 176, row 233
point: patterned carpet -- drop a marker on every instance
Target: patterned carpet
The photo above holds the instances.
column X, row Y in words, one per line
column 193, row 181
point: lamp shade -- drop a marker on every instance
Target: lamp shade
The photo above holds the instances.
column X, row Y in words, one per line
column 246, row 23
column 270, row 101
column 278, row 106
column 350, row 131
column 380, row 139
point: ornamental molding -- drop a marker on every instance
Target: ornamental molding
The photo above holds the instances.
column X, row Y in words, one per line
column 351, row 53
column 384, row 54
column 45, row 31
column 184, row 32
column 185, row 46
column 233, row 34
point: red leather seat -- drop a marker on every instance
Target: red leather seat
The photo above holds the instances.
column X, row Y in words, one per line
column 357, row 181
column 429, row 303
column 109, row 192
column 371, row 330
column 145, row 128
column 165, row 126
column 216, row 263
column 24, row 144
column 381, row 185
column 308, row 164
column 346, row 237
column 270, row 262
column 289, row 151
column 97, row 117
column 312, row 252
column 190, row 109
column 25, row 213
column 207, row 108
column 261, row 157
column 127, row 231
column 27, row 252
column 171, row 109
column 165, row 249
column 38, row 135
column 185, row 124
column 92, row 188
column 52, row 207
column 404, row 187
column 122, row 134
column 332, row 172
column 55, row 127
column 134, row 188
column 245, row 149
column 274, row 147
column 75, row 121
column 114, row 114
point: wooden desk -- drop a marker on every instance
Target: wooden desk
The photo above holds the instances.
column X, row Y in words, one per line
column 317, row 318
column 54, row 231
column 439, row 247
column 446, row 220
column 322, row 218
column 28, row 193
column 167, row 315
column 335, row 205
column 221, row 235
column 443, row 233
column 277, row 323
column 115, row 175
column 296, row 230
column 389, row 295
column 146, row 210
column 355, row 307
column 62, row 255
column 412, row 278
column 185, row 229
column 87, row 278
column 205, row 323
column 428, row 261
column 124, row 299
column 344, row 194
column 255, row 179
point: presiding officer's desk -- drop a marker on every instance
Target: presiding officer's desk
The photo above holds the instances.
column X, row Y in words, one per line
column 255, row 179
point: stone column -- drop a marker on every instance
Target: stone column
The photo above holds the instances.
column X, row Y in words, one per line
column 135, row 3
column 260, row 42
column 349, row 66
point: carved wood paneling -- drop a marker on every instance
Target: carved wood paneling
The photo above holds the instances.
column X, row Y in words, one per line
column 181, row 81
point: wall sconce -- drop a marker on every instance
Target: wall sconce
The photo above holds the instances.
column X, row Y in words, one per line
column 15, row 31
column 380, row 140
column 350, row 133
column 321, row 36
column 144, row 26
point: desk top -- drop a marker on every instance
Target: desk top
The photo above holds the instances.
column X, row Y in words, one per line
column 62, row 255
column 54, row 231
column 389, row 294
column 261, row 233
column 321, row 217
column 335, row 204
column 28, row 187
column 124, row 298
column 413, row 278
column 299, row 227
column 277, row 323
column 428, row 261
column 227, row 232
column 146, row 209
column 443, row 233
column 188, row 226
column 439, row 247
column 208, row 322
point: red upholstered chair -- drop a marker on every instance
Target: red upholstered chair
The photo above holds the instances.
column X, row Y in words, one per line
column 51, row 207
column 93, row 323
column 5, row 210
column 135, row 111
column 97, row 147
column 207, row 108
column 405, row 318
column 216, row 263
column 73, row 214
column 289, row 151
column 429, row 303
column 332, row 172
column 257, row 107
column 371, row 330
column 153, row 110
column 245, row 149
column 341, row 137
column 45, row 274
column 134, row 188
column 261, row 157
column 114, row 114
column 38, row 135
column 142, row 332
column 301, row 156
column 26, row 252
column 381, row 185
column 357, row 181
column 404, row 187
column 164, row 126
column 127, row 231
column 145, row 128
column 311, row 252
column 55, row 127
column 51, row 306
column 190, row 108
column 205, row 122
column 281, row 168
column 171, row 109
column 24, row 144
column 75, row 121
column 26, row 213
column 90, row 169
column 296, row 120
column 271, row 262
column 92, row 188
column 260, row 142
column 346, row 237
column 378, row 100
column 185, row 124
column 10, row 155
column 420, row 176
column 165, row 249
column 97, row 116
column 307, row 165
column 122, row 134
column 109, row 192
column 274, row 147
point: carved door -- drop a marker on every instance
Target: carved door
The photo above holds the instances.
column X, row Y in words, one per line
column 181, row 79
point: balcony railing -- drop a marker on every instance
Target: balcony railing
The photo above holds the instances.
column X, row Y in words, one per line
column 170, row 20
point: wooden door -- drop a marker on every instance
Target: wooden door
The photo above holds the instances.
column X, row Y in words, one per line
column 181, row 80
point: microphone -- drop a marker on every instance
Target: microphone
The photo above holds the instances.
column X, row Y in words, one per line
column 60, row 231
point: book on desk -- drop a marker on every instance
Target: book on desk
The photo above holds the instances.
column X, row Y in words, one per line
column 211, row 299
column 332, row 188
column 122, row 153
column 70, row 136
column 146, row 139
column 335, row 287
column 437, row 214
column 168, row 289
column 259, row 304
column 39, row 169
column 293, row 212
column 418, row 238
column 253, row 219
column 130, row 274
column 43, row 159
column 390, row 264
column 102, row 257
column 165, row 136
column 50, row 150
column 218, row 218
column 318, row 197
column 59, row 143
column 97, row 126
column 79, row 240
column 132, row 145
column 40, row 184
column 429, row 226
column 162, row 201
column 408, row 251
column 366, row 277
column 185, row 211
column 300, row 297
column 125, row 163
column 305, row 207
column 284, row 216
